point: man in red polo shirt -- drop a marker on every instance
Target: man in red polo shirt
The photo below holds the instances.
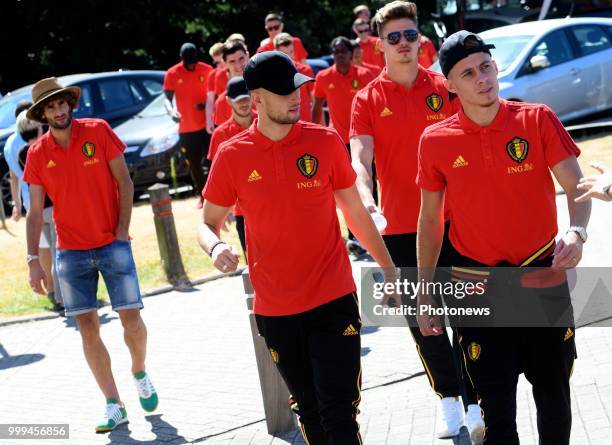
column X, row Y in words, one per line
column 338, row 84
column 388, row 118
column 371, row 47
column 239, row 99
column 287, row 175
column 427, row 52
column 274, row 25
column 491, row 163
column 79, row 164
column 284, row 43
column 235, row 56
column 187, row 82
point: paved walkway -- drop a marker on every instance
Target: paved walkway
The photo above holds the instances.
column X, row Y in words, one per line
column 202, row 362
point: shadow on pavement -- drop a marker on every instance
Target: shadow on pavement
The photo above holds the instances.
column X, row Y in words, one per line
column 12, row 361
column 70, row 322
column 163, row 431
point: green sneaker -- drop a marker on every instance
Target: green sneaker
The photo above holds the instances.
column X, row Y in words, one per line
column 115, row 415
column 146, row 391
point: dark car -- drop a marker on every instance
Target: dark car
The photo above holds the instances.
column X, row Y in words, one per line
column 152, row 152
column 113, row 96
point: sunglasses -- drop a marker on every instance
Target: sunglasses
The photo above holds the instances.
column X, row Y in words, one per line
column 411, row 35
column 273, row 28
column 362, row 30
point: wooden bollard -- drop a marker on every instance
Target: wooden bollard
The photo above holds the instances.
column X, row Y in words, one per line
column 279, row 417
column 167, row 240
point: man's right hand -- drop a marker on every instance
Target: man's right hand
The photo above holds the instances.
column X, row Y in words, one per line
column 38, row 278
column 429, row 325
column 16, row 214
column 210, row 126
column 225, row 258
column 175, row 115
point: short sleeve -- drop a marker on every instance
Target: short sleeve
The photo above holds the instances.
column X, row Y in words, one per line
column 169, row 81
column 113, row 146
column 210, row 84
column 319, row 88
column 219, row 187
column 556, row 141
column 215, row 140
column 428, row 176
column 342, row 173
column 222, row 111
column 361, row 121
column 31, row 172
column 300, row 51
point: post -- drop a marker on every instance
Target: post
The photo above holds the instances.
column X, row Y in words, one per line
column 279, row 417
column 167, row 240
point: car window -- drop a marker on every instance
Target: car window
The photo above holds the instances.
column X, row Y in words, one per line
column 116, row 94
column 507, row 48
column 85, row 108
column 8, row 105
column 153, row 87
column 555, row 46
column 591, row 39
column 137, row 93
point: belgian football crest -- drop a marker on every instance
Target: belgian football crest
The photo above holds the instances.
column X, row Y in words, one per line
column 307, row 165
column 517, row 149
column 434, row 102
column 88, row 149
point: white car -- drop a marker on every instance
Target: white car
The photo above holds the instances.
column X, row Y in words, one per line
column 563, row 63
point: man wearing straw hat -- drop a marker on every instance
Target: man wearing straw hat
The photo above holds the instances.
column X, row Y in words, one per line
column 79, row 163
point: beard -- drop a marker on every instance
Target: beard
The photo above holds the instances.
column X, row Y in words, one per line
column 284, row 118
column 63, row 126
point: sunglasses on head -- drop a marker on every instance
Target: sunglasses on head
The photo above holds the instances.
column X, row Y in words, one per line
column 273, row 27
column 411, row 35
column 362, row 30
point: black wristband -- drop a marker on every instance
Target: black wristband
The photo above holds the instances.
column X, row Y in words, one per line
column 210, row 252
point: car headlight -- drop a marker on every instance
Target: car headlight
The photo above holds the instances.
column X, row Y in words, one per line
column 159, row 144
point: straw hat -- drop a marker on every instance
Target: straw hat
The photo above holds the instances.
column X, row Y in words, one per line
column 45, row 89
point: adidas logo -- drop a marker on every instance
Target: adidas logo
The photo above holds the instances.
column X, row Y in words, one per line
column 254, row 176
column 460, row 162
column 331, row 85
column 51, row 164
column 569, row 334
column 386, row 112
column 350, row 330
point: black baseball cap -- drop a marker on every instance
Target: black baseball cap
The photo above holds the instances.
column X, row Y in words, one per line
column 189, row 53
column 237, row 89
column 458, row 46
column 273, row 71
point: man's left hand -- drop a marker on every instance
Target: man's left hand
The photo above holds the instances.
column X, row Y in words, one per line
column 568, row 252
column 122, row 235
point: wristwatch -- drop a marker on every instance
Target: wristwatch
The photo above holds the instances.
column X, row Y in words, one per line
column 30, row 258
column 580, row 231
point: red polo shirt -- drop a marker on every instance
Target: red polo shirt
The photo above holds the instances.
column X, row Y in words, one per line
column 498, row 185
column 427, row 52
column 339, row 90
column 79, row 182
column 190, row 88
column 300, row 51
column 223, row 110
column 305, row 92
column 395, row 117
column 285, row 189
column 220, row 81
column 372, row 52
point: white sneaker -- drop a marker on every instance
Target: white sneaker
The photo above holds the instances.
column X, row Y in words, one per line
column 475, row 424
column 454, row 417
column 114, row 416
column 146, row 393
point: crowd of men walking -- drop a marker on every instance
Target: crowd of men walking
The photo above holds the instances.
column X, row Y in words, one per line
column 439, row 152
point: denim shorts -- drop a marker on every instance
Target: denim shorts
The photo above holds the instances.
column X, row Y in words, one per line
column 78, row 272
